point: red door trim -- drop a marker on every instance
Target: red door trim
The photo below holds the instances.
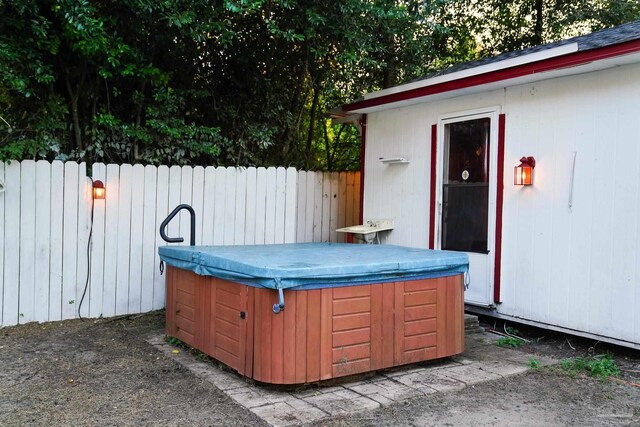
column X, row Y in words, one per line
column 497, row 263
column 432, row 185
column 363, row 146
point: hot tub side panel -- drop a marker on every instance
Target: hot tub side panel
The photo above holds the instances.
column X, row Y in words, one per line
column 207, row 314
column 329, row 333
column 181, row 321
column 450, row 315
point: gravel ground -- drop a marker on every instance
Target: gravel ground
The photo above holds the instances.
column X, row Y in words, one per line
column 102, row 372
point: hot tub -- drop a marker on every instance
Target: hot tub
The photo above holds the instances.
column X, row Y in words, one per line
column 300, row 313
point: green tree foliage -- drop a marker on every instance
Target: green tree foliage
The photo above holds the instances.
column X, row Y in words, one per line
column 238, row 82
column 498, row 26
column 80, row 80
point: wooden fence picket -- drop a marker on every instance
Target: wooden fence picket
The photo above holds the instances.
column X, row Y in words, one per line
column 186, row 196
column 85, row 194
column 219, row 205
column 229, row 205
column 333, row 214
column 350, row 208
column 197, row 200
column 10, row 313
column 161, row 210
column 239, row 217
column 149, row 232
column 42, row 240
column 279, row 218
column 250, row 207
column 124, row 240
column 55, row 253
column 96, row 284
column 342, row 205
column 326, row 207
column 317, row 207
column 261, row 207
column 70, row 240
column 301, row 206
column 27, row 240
column 112, row 196
column 270, row 207
column 310, row 207
column 175, row 183
column 290, row 206
column 208, row 205
column 136, row 238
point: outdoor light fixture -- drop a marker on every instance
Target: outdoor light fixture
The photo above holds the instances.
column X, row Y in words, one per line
column 523, row 173
column 98, row 189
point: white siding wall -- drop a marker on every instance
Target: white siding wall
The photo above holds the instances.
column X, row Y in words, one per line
column 45, row 217
column 576, row 268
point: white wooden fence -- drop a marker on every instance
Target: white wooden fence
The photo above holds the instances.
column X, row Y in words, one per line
column 45, row 218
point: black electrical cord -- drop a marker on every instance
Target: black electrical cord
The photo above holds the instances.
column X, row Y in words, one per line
column 86, row 284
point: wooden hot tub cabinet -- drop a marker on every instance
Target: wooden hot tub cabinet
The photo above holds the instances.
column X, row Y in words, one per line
column 322, row 333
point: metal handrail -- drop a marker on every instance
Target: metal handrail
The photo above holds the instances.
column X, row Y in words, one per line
column 165, row 223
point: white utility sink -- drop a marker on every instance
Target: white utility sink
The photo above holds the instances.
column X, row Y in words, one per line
column 369, row 229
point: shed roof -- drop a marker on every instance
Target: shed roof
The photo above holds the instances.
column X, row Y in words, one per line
column 513, row 68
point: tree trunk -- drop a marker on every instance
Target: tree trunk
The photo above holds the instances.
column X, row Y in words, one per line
column 136, row 148
column 312, row 122
column 76, row 123
column 75, row 115
column 293, row 109
column 327, row 146
column 389, row 75
column 537, row 34
column 74, row 97
column 96, row 93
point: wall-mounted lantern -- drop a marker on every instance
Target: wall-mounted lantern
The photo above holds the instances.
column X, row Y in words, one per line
column 98, row 190
column 523, row 173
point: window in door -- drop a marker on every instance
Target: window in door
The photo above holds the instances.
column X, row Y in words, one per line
column 465, row 190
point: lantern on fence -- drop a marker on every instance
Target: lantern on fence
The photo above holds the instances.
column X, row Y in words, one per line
column 98, row 190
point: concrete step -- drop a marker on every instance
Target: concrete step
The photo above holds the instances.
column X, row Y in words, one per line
column 471, row 324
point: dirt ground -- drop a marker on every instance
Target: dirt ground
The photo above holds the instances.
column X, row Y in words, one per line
column 102, row 372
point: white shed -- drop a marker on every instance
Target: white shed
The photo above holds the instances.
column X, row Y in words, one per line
column 562, row 253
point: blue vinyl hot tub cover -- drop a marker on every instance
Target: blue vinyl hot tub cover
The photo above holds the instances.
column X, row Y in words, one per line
column 314, row 265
